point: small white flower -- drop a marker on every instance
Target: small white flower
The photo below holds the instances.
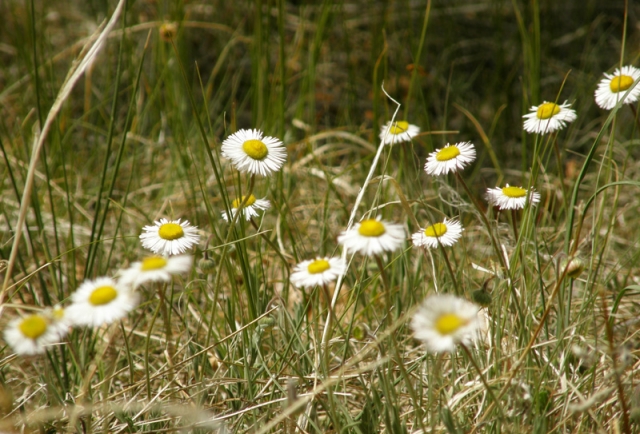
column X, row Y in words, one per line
column 444, row 321
column 100, row 301
column 511, row 197
column 613, row 87
column 398, row 132
column 169, row 237
column 450, row 158
column 155, row 269
column 319, row 271
column 250, row 208
column 548, row 117
column 32, row 334
column 372, row 237
column 446, row 233
column 250, row 152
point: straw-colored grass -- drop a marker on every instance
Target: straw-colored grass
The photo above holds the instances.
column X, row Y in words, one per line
column 112, row 116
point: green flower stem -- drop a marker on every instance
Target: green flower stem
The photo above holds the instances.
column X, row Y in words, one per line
column 453, row 276
column 225, row 246
column 484, row 381
column 386, row 288
column 486, row 223
column 167, row 324
column 274, row 247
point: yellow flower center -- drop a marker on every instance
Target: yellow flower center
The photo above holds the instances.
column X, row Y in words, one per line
column 514, row 192
column 318, row 266
column 399, row 127
column 103, row 295
column 236, row 203
column 620, row 83
column 170, row 231
column 436, row 230
column 255, row 149
column 33, row 326
column 547, row 110
column 371, row 228
column 449, row 323
column 153, row 263
column 448, row 153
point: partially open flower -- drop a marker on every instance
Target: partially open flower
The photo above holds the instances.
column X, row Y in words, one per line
column 398, row 132
column 510, row 197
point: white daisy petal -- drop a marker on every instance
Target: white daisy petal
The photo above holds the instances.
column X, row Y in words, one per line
column 319, row 271
column 398, row 132
column 100, row 301
column 372, row 237
column 155, row 269
column 451, row 158
column 444, row 321
column 548, row 117
column 167, row 237
column 250, row 152
column 613, row 87
column 510, row 197
column 250, row 208
column 446, row 233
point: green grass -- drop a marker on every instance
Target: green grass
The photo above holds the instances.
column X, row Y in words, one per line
column 241, row 349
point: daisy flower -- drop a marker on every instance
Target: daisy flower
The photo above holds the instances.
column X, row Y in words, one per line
column 100, row 301
column 319, row 271
column 169, row 237
column 372, row 236
column 450, row 158
column 444, row 321
column 613, row 87
column 511, row 197
column 446, row 233
column 33, row 333
column 398, row 132
column 548, row 117
column 154, row 269
column 250, row 152
column 250, row 208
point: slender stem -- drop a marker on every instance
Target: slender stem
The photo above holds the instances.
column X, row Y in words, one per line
column 453, row 276
column 614, row 361
column 232, row 223
column 514, row 223
column 484, row 219
column 394, row 342
column 556, row 149
column 484, row 381
column 635, row 113
column 386, row 288
column 167, row 324
column 147, row 368
column 516, row 367
column 326, row 334
column 326, row 347
column 274, row 247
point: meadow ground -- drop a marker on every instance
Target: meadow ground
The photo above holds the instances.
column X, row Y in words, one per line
column 203, row 230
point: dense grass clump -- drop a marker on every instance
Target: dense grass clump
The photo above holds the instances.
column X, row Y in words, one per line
column 272, row 216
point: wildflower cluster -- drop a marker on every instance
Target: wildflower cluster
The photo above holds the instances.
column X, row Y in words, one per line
column 104, row 300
